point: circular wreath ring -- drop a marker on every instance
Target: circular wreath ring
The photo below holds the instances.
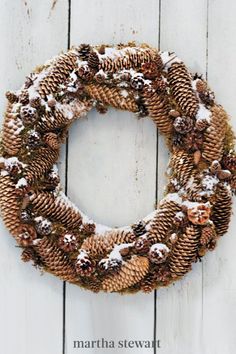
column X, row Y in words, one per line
column 53, row 233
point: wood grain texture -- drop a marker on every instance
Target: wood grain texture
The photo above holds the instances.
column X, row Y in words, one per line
column 30, row 305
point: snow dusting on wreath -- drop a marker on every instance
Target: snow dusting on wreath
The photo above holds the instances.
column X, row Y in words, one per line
column 195, row 212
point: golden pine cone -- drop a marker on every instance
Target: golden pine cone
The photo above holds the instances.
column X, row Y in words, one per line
column 40, row 164
column 9, row 205
column 111, row 96
column 158, row 109
column 163, row 221
column 130, row 273
column 183, row 166
column 181, row 87
column 127, row 58
column 55, row 260
column 52, row 141
column 56, row 208
column 60, row 70
column 222, row 210
column 12, row 126
column 185, row 251
column 214, row 135
column 98, row 245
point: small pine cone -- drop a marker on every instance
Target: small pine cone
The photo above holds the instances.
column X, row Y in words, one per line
column 158, row 108
column 51, row 139
column 201, row 124
column 111, row 96
column 180, row 219
column 26, row 234
column 158, row 61
column 86, row 73
column 101, row 108
column 55, row 260
column 181, row 87
column 42, row 162
column 29, row 254
column 150, row 70
column 214, row 135
column 178, row 140
column 9, row 205
column 222, row 210
column 52, row 179
column 229, row 162
column 183, row 125
column 11, row 96
column 12, row 165
column 184, row 252
column 24, row 97
column 207, row 97
column 99, row 245
column 110, row 265
column 162, row 222
column 233, row 183
column 201, row 85
column 26, row 215
column 68, row 242
column 84, row 51
column 215, row 167
column 137, row 82
column 130, row 273
column 159, row 85
column 34, row 139
column 43, row 226
column 199, row 215
column 84, row 265
column 57, row 74
column 12, row 126
column 88, row 229
column 183, row 166
column 158, row 253
column 212, row 245
column 93, row 60
column 139, row 228
column 35, row 102
column 28, row 115
column 193, row 141
column 208, row 234
column 149, row 282
column 142, row 245
column 56, row 208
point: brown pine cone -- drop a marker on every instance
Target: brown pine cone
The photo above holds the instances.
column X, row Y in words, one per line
column 193, row 141
column 137, row 82
column 159, row 85
column 181, row 87
column 34, row 139
column 12, row 126
column 139, row 228
column 29, row 254
column 214, row 135
column 51, row 139
column 208, row 234
column 56, row 208
column 229, row 162
column 130, row 273
column 161, row 225
column 99, row 245
column 201, row 124
column 11, row 96
column 201, row 85
column 55, row 260
column 150, row 70
column 183, row 125
column 101, row 108
column 84, row 265
column 28, row 115
column 158, row 253
column 88, row 229
column 110, row 265
column 86, row 73
column 68, row 242
column 25, row 235
column 142, row 245
column 24, row 97
column 183, row 166
column 184, row 252
column 84, row 51
column 207, row 97
column 199, row 215
column 222, row 210
column 93, row 60
column 43, row 226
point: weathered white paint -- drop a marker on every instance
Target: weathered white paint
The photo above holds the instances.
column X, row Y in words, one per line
column 112, row 177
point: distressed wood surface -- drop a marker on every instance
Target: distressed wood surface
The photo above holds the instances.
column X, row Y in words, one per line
column 112, row 175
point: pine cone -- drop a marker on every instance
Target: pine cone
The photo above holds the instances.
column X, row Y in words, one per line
column 84, row 266
column 9, row 205
column 158, row 109
column 12, row 97
column 88, row 229
column 139, row 228
column 201, row 124
column 137, row 82
column 130, row 273
column 68, row 242
column 58, row 73
column 161, row 224
column 214, row 135
column 12, row 126
column 201, row 85
column 99, row 245
column 207, row 97
column 56, row 208
column 159, row 85
column 24, row 97
column 183, row 166
column 199, row 215
column 222, row 209
column 142, row 245
column 84, row 51
column 208, row 234
column 42, row 162
column 52, row 141
column 34, row 139
column 29, row 254
column 229, row 162
column 110, row 265
column 111, row 96
column 183, row 125
column 43, row 226
column 28, row 115
column 55, row 260
column 26, row 234
column 150, row 70
column 181, row 87
column 93, row 60
column 158, row 253
column 184, row 251
column 85, row 72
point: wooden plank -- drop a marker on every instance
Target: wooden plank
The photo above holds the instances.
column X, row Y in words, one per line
column 112, row 173
column 219, row 291
column 179, row 307
column 30, row 305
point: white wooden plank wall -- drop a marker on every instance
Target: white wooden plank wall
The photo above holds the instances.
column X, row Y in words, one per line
column 111, row 174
